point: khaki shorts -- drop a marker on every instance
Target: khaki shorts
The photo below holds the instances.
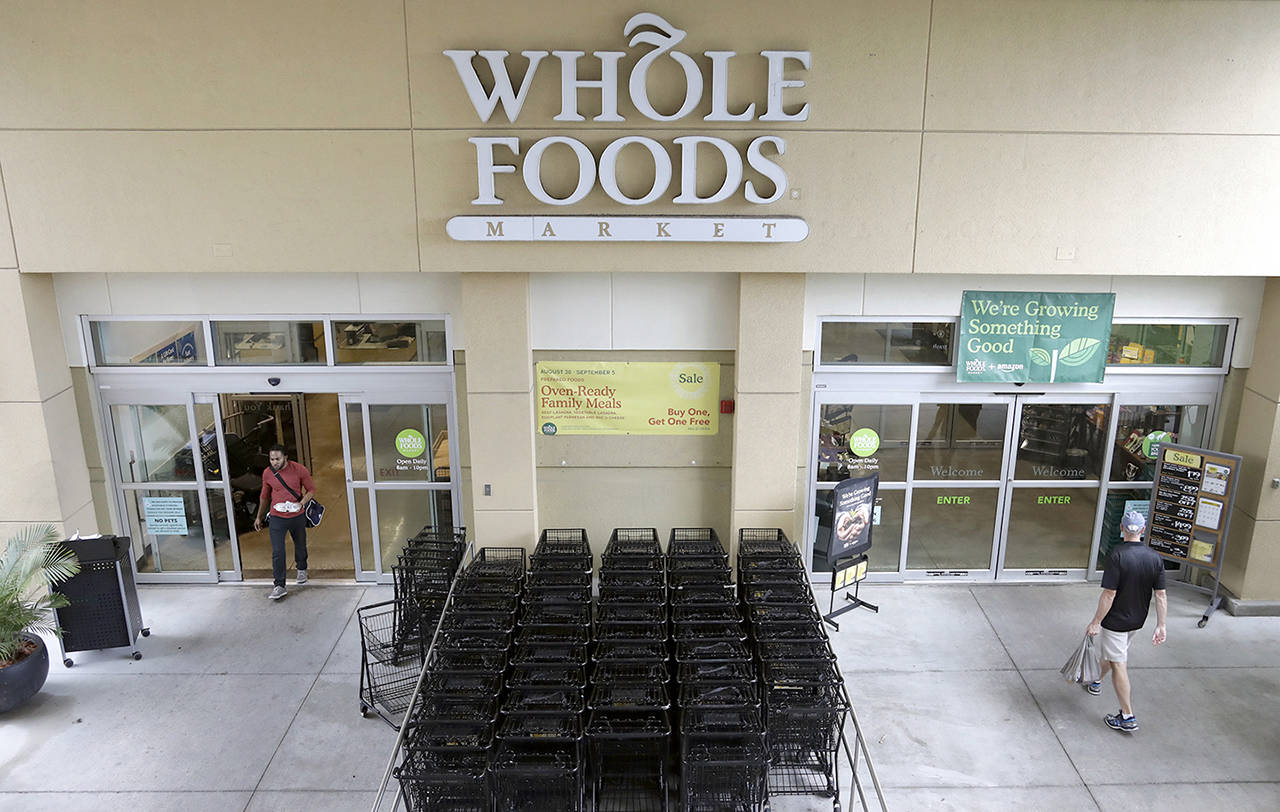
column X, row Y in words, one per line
column 1115, row 645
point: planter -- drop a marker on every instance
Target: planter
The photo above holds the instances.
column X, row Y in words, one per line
column 23, row 680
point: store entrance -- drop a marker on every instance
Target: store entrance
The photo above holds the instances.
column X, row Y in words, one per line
column 999, row 485
column 187, row 470
column 308, row 426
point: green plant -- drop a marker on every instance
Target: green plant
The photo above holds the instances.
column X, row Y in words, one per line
column 33, row 555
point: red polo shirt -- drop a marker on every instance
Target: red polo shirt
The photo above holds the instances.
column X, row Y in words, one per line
column 298, row 477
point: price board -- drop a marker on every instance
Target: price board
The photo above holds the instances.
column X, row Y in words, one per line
column 1191, row 504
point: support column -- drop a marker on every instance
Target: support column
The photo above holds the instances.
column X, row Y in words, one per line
column 43, row 474
column 769, row 415
column 1253, row 549
column 499, row 408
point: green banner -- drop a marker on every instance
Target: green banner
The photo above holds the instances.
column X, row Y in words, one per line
column 1034, row 337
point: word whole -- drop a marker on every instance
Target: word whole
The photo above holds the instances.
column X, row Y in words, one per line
column 645, row 29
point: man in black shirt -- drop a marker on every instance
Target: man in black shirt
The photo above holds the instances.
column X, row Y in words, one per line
column 1133, row 574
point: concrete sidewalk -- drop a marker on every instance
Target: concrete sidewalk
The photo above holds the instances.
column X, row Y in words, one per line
column 242, row 704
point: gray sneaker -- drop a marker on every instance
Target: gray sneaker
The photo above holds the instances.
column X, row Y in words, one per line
column 302, row 577
column 278, row 593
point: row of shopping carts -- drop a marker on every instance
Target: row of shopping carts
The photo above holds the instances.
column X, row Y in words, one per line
column 451, row 728
column 804, row 701
column 629, row 730
column 722, row 755
column 396, row 634
column 681, row 689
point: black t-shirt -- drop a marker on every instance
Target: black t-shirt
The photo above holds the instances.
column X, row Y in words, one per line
column 1133, row 570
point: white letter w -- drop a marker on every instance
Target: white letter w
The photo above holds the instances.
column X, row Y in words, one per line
column 484, row 103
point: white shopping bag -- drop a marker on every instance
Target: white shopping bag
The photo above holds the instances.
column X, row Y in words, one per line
column 1085, row 663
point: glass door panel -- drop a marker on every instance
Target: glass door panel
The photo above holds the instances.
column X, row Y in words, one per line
column 961, row 441
column 153, row 443
column 1061, row 440
column 952, row 528
column 1050, row 528
column 167, row 530
column 403, row 512
column 161, row 464
column 839, row 420
column 1060, row 461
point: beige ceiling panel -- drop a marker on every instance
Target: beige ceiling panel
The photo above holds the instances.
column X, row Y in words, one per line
column 201, row 202
column 177, row 64
column 866, row 70
column 1109, row 204
column 856, row 191
column 1105, row 66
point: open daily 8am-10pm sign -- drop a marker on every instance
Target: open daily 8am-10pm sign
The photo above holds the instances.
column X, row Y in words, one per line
column 601, row 397
column 1034, row 337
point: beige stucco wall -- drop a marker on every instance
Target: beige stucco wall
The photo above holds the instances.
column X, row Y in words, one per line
column 44, row 476
column 1081, row 137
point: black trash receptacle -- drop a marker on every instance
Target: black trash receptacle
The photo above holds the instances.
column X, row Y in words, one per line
column 104, row 611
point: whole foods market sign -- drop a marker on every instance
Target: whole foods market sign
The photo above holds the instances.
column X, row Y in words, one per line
column 754, row 172
column 1034, row 337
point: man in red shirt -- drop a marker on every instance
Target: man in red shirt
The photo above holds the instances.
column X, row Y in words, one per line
column 286, row 490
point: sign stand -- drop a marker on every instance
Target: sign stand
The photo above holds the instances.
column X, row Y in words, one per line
column 1195, row 489
column 847, row 571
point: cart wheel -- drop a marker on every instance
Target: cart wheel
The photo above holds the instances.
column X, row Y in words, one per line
column 146, row 632
column 68, row 662
column 364, row 710
column 137, row 655
column 1203, row 621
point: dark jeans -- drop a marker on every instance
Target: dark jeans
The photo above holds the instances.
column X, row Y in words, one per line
column 297, row 527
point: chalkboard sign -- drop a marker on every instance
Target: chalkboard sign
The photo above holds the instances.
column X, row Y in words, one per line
column 1191, row 504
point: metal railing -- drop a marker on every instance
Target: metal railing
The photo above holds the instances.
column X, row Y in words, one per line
column 468, row 555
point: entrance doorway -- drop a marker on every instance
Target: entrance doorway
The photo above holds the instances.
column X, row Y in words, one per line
column 308, row 426
column 999, row 485
column 379, row 454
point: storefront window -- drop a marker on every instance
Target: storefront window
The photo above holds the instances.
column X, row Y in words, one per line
column 256, row 343
column 147, row 343
column 960, row 440
column 389, row 342
column 1180, row 345
column 1139, row 430
column 886, row 342
column 1062, row 441
column 839, row 421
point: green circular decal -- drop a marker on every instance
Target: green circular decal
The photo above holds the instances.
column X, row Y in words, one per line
column 1152, row 439
column 410, row 443
column 864, row 442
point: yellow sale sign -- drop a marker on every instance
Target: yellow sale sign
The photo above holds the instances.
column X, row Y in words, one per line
column 628, row 397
